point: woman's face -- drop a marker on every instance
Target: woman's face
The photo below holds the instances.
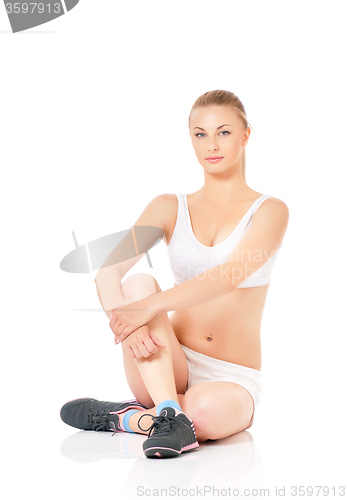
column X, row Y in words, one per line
column 217, row 131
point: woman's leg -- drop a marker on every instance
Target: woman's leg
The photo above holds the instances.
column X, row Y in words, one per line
column 164, row 374
column 218, row 409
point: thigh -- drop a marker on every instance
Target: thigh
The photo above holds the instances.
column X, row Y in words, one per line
column 218, row 409
column 134, row 288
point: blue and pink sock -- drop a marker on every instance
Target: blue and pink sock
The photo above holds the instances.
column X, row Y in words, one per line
column 168, row 402
column 124, row 420
column 124, row 417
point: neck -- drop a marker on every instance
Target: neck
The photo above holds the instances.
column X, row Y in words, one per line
column 223, row 188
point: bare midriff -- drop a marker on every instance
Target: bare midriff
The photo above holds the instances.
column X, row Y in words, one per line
column 227, row 328
column 232, row 322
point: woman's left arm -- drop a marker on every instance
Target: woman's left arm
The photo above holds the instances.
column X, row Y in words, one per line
column 254, row 249
column 203, row 288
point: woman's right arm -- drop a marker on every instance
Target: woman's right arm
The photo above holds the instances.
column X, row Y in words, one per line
column 108, row 278
column 108, row 287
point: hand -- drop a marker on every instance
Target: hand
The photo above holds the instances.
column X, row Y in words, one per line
column 142, row 343
column 128, row 317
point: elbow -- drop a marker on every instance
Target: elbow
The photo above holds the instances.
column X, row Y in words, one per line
column 233, row 280
column 97, row 276
column 107, row 272
column 231, row 287
column 100, row 275
column 226, row 278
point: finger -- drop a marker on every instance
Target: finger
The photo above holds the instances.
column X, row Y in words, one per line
column 113, row 318
column 113, row 323
column 129, row 351
column 136, row 351
column 116, row 320
column 126, row 331
column 113, row 328
column 127, row 347
column 143, row 350
column 157, row 341
column 121, row 322
column 150, row 345
column 119, row 328
column 116, row 339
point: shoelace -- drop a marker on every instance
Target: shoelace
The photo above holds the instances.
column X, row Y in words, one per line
column 161, row 421
column 100, row 422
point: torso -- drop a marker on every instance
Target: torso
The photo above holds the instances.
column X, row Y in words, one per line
column 233, row 321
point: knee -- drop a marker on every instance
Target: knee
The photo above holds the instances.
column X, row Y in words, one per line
column 139, row 285
column 199, row 409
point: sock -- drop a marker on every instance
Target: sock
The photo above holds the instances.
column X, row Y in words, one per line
column 168, row 402
column 124, row 420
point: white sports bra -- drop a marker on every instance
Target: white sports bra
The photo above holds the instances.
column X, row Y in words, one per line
column 189, row 258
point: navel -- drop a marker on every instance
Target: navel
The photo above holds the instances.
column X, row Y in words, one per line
column 209, row 338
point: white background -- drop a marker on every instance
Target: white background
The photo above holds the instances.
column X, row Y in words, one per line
column 94, row 124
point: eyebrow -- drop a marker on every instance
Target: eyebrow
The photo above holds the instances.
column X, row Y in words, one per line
column 225, row 125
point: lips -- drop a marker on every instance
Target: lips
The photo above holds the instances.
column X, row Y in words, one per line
column 214, row 159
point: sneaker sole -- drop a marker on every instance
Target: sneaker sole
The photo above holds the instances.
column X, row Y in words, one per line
column 164, row 452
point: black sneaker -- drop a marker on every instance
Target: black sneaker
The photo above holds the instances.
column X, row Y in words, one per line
column 90, row 414
column 173, row 433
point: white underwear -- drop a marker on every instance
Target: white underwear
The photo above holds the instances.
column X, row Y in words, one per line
column 202, row 368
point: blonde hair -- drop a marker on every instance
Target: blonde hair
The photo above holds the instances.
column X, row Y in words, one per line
column 224, row 98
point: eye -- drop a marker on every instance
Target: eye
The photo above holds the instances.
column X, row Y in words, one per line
column 222, row 132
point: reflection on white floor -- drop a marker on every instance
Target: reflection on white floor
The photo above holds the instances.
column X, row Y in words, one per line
column 232, row 462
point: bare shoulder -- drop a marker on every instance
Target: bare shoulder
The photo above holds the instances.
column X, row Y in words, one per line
column 276, row 205
column 167, row 200
column 169, row 207
column 160, row 212
column 274, row 211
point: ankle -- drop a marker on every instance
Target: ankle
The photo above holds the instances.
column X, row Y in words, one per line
column 168, row 402
column 145, row 422
column 124, row 420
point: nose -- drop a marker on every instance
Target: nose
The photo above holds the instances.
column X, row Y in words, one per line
column 212, row 147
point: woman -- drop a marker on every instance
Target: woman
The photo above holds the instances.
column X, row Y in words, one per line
column 196, row 374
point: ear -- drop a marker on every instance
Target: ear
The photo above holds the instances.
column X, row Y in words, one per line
column 247, row 134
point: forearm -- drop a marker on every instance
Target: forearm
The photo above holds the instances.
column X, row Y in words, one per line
column 108, row 285
column 205, row 287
